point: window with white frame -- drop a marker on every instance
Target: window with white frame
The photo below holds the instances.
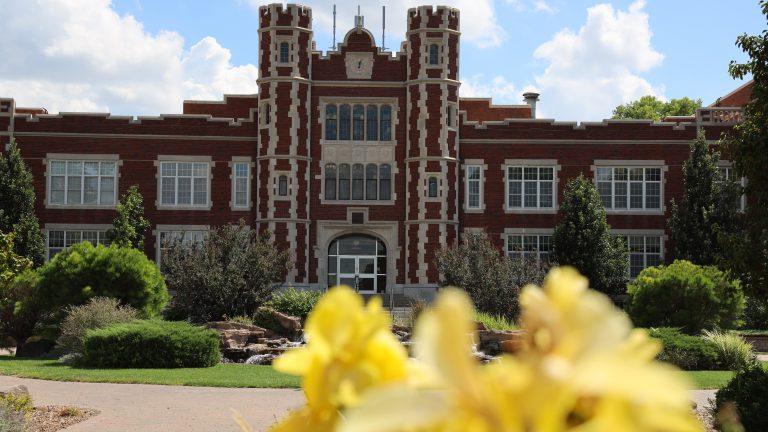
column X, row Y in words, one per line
column 530, row 187
column 536, row 247
column 284, row 52
column 474, row 187
column 82, row 182
column 630, row 188
column 358, row 122
column 358, row 182
column 166, row 239
column 241, row 176
column 432, row 187
column 644, row 251
column 727, row 174
column 184, row 183
column 434, row 54
column 60, row 239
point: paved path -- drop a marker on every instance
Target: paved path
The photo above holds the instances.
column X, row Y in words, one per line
column 702, row 397
column 158, row 408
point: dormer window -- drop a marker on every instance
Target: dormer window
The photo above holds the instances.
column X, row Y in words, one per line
column 434, row 54
column 285, row 52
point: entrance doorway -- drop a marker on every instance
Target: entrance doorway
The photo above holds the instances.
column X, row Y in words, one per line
column 358, row 261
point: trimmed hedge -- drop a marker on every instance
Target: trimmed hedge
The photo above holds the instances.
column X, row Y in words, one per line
column 151, row 344
column 685, row 351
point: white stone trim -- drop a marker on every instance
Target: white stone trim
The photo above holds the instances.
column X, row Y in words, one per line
column 634, row 163
column 183, row 158
column 85, row 158
column 483, row 167
column 249, row 188
column 442, row 187
column 274, row 184
column 532, row 163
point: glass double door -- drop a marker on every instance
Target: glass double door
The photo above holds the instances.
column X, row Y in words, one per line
column 358, row 272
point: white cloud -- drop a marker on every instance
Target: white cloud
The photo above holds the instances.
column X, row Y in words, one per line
column 543, row 6
column 535, row 6
column 591, row 71
column 499, row 88
column 478, row 19
column 80, row 55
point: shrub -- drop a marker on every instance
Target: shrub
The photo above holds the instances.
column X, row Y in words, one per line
column 11, row 421
column 84, row 271
column 233, row 272
column 685, row 351
column 18, row 401
column 295, row 302
column 151, row 344
column 19, row 307
column 685, row 295
column 242, row 319
column 99, row 312
column 748, row 390
column 494, row 322
column 733, row 351
column 756, row 313
column 492, row 281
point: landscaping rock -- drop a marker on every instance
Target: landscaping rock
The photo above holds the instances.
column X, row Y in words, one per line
column 493, row 342
column 261, row 359
column 234, row 336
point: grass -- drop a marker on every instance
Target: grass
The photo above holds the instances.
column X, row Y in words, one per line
column 221, row 375
column 494, row 322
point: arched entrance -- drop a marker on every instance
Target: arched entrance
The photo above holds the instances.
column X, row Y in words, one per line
column 359, row 261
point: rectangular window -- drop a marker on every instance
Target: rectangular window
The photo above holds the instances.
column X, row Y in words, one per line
column 184, row 183
column 474, row 186
column 58, row 240
column 187, row 238
column 644, row 251
column 629, row 188
column 530, row 187
column 241, row 175
column 727, row 174
column 82, row 182
column 536, row 247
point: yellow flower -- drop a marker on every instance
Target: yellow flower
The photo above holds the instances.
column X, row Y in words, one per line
column 582, row 368
column 350, row 349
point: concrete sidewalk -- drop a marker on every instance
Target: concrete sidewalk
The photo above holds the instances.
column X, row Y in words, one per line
column 158, row 408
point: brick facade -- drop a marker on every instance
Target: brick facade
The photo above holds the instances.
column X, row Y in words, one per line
column 280, row 134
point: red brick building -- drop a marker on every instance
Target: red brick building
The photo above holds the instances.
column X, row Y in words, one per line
column 362, row 162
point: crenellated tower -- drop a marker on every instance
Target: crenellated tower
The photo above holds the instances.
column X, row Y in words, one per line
column 431, row 214
column 285, row 71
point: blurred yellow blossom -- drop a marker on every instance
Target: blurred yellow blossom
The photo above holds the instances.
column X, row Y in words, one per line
column 582, row 368
column 350, row 349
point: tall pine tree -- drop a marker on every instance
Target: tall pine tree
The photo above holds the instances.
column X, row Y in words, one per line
column 748, row 148
column 708, row 209
column 583, row 239
column 17, row 206
column 130, row 225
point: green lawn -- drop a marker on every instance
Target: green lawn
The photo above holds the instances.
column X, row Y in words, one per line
column 708, row 379
column 222, row 375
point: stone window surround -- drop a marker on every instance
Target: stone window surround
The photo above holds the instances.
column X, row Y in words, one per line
column 454, row 106
column 441, row 186
column 70, row 227
column 292, row 57
column 441, row 52
column 86, row 158
column 663, row 237
column 183, row 158
column 531, row 163
column 483, row 167
column 173, row 228
column 634, row 163
column 264, row 106
column 251, row 166
column 743, row 182
column 365, row 101
column 377, row 202
column 274, row 178
column 525, row 231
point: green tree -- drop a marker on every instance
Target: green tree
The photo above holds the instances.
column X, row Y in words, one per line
column 582, row 239
column 650, row 107
column 747, row 146
column 17, row 206
column 18, row 311
column 708, row 209
column 130, row 225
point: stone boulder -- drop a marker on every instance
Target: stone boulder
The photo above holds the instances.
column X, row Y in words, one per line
column 234, row 336
column 278, row 322
column 494, row 342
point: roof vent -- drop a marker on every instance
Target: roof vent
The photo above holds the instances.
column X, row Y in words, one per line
column 531, row 98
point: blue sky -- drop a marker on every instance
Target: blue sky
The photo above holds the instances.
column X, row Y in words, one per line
column 584, row 56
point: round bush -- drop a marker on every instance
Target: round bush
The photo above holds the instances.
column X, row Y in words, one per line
column 685, row 351
column 84, row 271
column 151, row 344
column 685, row 295
column 298, row 303
column 748, row 390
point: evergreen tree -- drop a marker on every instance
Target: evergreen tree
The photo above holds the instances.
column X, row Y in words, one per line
column 130, row 225
column 582, row 239
column 748, row 148
column 17, row 206
column 708, row 209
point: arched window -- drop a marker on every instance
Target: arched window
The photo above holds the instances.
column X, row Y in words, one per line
column 434, row 54
column 344, row 121
column 432, row 187
column 358, row 261
column 371, row 186
column 358, row 179
column 284, row 52
column 343, row 181
column 386, row 122
column 330, row 181
column 385, row 182
column 358, row 123
column 372, row 123
column 330, row 122
column 282, row 185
